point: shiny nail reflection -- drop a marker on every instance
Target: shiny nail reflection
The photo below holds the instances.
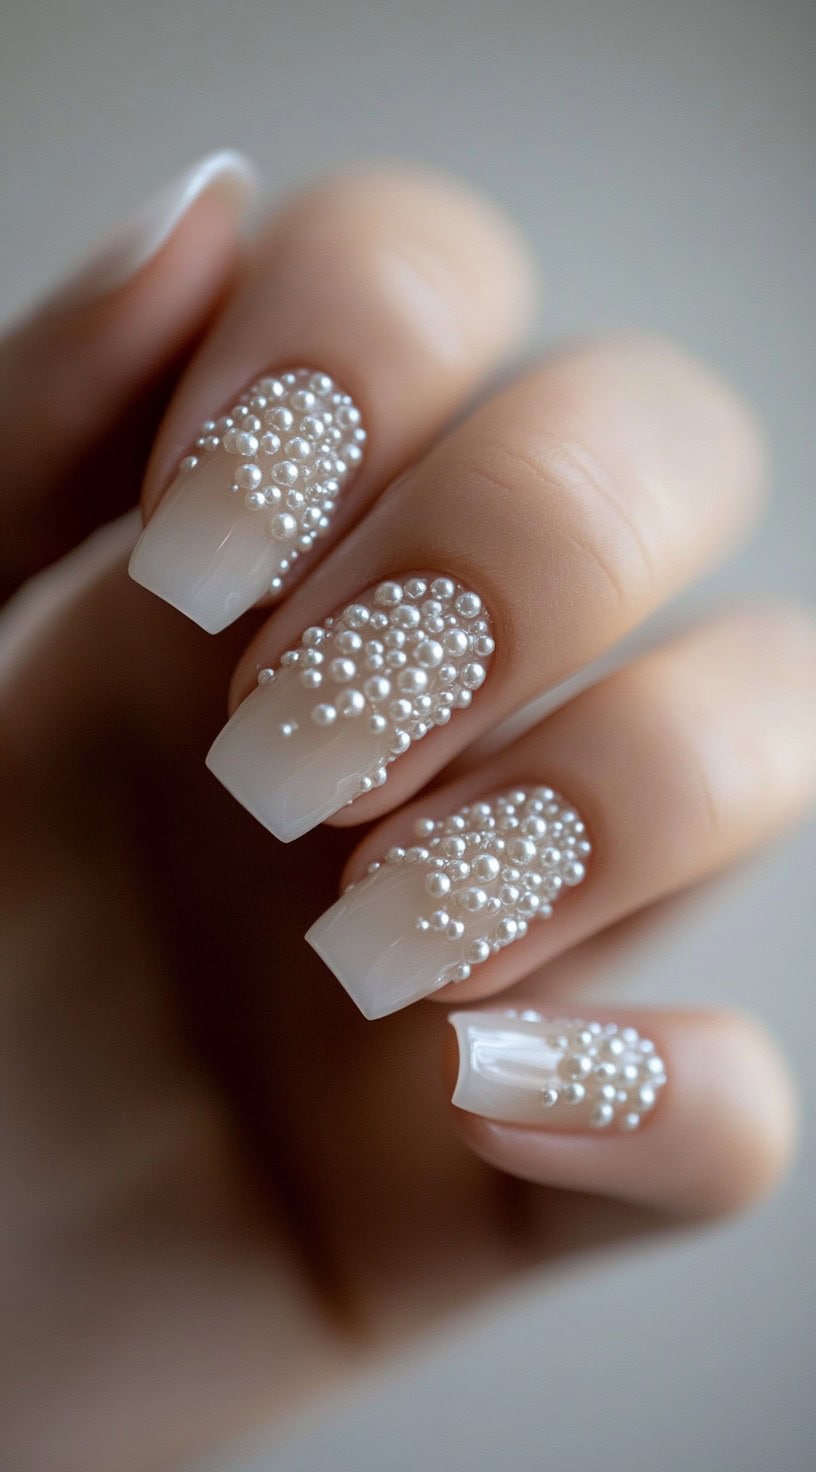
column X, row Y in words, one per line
column 521, row 1067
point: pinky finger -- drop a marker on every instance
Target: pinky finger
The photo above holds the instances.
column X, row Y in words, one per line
column 690, row 1113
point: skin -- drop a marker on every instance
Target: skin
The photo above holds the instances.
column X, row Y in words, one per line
column 224, row 1192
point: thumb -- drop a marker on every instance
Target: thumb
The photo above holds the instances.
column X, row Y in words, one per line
column 85, row 376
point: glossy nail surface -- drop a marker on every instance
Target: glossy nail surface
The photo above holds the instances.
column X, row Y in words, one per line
column 355, row 695
column 524, row 1068
column 258, row 488
column 470, row 885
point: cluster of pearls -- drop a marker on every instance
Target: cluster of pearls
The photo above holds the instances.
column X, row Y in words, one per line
column 611, row 1071
column 295, row 439
column 505, row 860
column 402, row 662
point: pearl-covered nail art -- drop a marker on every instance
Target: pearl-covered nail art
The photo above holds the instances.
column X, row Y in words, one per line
column 257, row 489
column 359, row 689
column 520, row 1067
column 468, row 886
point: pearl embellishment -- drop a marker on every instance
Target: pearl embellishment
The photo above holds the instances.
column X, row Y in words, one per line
column 504, row 862
column 294, row 439
column 379, row 665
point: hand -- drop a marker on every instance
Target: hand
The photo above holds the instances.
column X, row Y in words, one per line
column 223, row 1188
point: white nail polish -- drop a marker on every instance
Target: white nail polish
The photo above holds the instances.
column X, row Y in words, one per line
column 256, row 491
column 520, row 1067
column 358, row 691
column 227, row 173
column 470, row 885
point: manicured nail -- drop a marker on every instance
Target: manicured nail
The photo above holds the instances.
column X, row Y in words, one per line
column 358, row 691
column 522, row 1068
column 258, row 488
column 470, row 885
column 226, row 173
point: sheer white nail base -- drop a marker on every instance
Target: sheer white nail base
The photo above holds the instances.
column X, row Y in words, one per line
column 356, row 693
column 257, row 490
column 520, row 1067
column 470, row 885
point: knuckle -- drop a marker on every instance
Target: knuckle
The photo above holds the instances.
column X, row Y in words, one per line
column 573, row 503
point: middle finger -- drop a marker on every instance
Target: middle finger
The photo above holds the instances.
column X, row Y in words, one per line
column 525, row 544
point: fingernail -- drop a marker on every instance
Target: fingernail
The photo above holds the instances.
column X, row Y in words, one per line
column 357, row 692
column 226, row 172
column 471, row 885
column 258, row 488
column 523, row 1068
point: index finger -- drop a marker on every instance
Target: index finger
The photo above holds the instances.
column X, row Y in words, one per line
column 374, row 307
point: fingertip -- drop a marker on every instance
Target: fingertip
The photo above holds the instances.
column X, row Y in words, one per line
column 717, row 1141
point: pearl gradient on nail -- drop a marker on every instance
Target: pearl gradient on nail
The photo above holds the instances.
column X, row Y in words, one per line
column 521, row 1067
column 467, row 886
column 257, row 489
column 354, row 695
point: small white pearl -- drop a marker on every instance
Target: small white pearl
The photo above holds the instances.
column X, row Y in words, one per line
column 506, row 930
column 324, row 715
column 285, row 473
column 388, row 595
column 248, row 477
column 377, row 688
column 342, row 670
column 350, row 703
column 473, row 676
column 437, row 884
column 473, row 900
column 429, row 653
column 469, row 605
column 283, row 526
column 478, row 952
column 246, row 444
column 456, row 643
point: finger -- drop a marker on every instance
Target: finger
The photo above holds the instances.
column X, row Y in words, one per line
column 560, row 514
column 690, row 1113
column 83, row 379
column 387, row 297
column 672, row 768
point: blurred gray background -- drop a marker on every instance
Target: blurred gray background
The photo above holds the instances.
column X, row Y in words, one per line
column 660, row 155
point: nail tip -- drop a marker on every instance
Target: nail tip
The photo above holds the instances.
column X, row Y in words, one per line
column 148, row 580
column 223, row 775
column 459, row 1092
column 313, row 938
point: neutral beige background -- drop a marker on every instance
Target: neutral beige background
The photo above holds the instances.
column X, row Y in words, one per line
column 659, row 153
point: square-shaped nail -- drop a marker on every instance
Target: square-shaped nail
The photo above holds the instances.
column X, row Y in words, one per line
column 356, row 693
column 258, row 488
column 521, row 1067
column 470, row 885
